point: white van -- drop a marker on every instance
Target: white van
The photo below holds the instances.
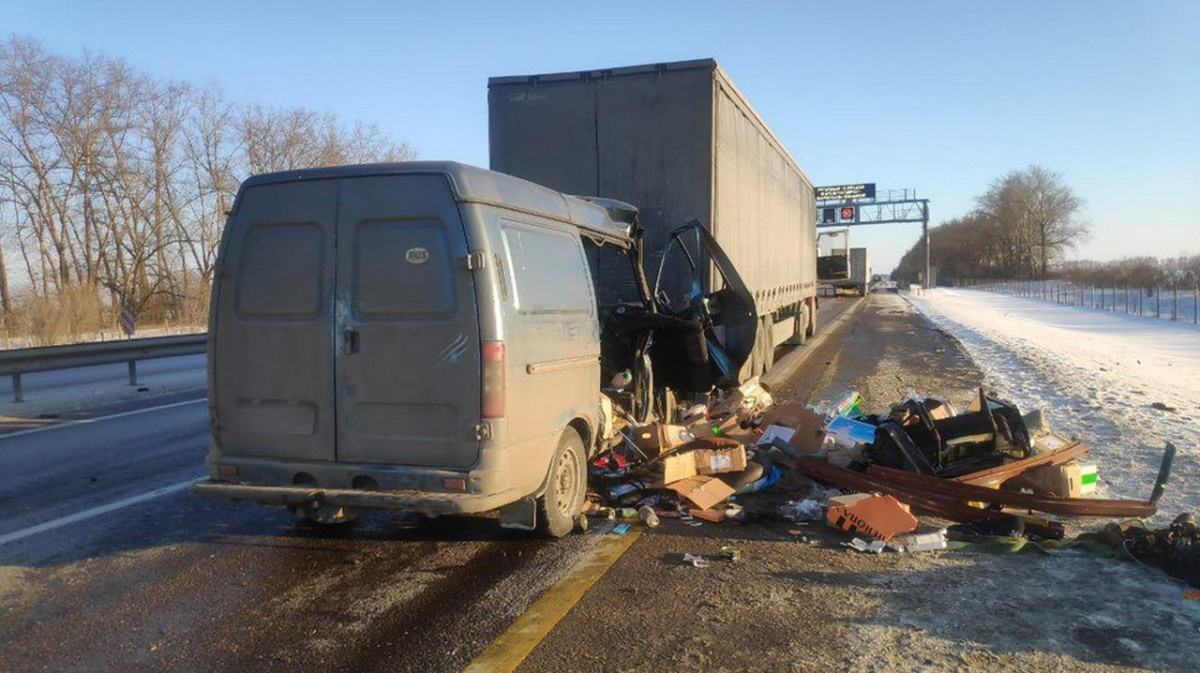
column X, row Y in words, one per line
column 426, row 336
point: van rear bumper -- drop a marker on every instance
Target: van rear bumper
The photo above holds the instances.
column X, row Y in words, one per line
column 306, row 496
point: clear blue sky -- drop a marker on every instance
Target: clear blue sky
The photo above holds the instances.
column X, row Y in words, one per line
column 943, row 97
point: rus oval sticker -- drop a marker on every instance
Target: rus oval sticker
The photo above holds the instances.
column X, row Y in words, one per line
column 416, row 256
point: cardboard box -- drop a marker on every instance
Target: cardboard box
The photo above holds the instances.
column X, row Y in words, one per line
column 1073, row 480
column 709, row 515
column 703, row 492
column 658, row 438
column 807, row 426
column 880, row 516
column 718, row 457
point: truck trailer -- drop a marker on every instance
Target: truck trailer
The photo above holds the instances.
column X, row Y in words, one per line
column 860, row 272
column 681, row 143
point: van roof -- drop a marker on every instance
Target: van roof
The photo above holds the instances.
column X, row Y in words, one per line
column 477, row 185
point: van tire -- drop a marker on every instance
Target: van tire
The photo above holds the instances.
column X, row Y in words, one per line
column 560, row 505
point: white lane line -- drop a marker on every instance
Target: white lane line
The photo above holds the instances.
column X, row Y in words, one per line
column 67, row 424
column 97, row 511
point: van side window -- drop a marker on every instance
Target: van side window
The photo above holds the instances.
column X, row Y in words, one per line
column 280, row 272
column 403, row 269
column 548, row 269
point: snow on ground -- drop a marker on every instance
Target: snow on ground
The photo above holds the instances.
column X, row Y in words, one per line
column 1099, row 376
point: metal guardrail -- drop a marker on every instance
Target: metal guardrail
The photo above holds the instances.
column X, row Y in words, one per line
column 14, row 363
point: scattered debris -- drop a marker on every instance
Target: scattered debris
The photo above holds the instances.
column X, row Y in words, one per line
column 803, row 510
column 880, row 516
column 987, row 468
column 873, row 547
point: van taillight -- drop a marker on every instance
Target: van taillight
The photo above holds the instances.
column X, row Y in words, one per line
column 493, row 379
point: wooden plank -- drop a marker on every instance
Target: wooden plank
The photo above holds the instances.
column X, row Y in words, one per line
column 994, row 476
column 1042, row 503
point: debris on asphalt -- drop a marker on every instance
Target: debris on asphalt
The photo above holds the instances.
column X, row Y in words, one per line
column 648, row 516
column 880, row 516
column 873, row 547
column 994, row 474
column 803, row 510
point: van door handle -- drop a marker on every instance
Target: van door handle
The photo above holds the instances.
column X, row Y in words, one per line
column 350, row 342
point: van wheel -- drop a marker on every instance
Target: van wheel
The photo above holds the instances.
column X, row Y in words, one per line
column 560, row 505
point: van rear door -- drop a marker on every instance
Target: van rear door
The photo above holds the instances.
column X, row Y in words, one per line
column 272, row 370
column 346, row 325
column 408, row 353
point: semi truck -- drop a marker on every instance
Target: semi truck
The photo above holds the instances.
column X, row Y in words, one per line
column 860, row 272
column 680, row 143
column 833, row 257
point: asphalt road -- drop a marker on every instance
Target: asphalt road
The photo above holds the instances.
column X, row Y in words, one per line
column 108, row 564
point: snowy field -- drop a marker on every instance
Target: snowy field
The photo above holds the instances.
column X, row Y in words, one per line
column 1124, row 384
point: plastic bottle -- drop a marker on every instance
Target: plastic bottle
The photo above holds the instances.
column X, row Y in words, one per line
column 621, row 379
column 648, row 516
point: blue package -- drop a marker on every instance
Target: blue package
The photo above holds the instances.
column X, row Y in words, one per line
column 856, row 432
column 621, row 528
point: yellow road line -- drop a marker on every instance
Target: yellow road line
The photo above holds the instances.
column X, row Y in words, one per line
column 507, row 652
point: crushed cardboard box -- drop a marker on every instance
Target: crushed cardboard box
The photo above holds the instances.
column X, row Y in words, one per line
column 880, row 516
column 703, row 492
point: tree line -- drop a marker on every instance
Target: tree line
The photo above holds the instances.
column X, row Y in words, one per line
column 1025, row 222
column 114, row 185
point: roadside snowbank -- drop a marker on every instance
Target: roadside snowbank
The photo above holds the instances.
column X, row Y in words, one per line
column 1124, row 384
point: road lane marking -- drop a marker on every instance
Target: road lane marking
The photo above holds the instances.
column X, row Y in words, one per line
column 97, row 511
column 81, row 421
column 507, row 652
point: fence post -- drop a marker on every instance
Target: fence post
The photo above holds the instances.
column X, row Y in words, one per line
column 133, row 372
column 18, row 392
column 1157, row 302
column 1174, row 302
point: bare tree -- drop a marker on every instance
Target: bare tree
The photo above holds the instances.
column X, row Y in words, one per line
column 1035, row 214
column 115, row 185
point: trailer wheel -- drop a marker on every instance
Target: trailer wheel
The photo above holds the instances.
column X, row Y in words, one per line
column 800, row 326
column 768, row 343
column 756, row 354
column 560, row 505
